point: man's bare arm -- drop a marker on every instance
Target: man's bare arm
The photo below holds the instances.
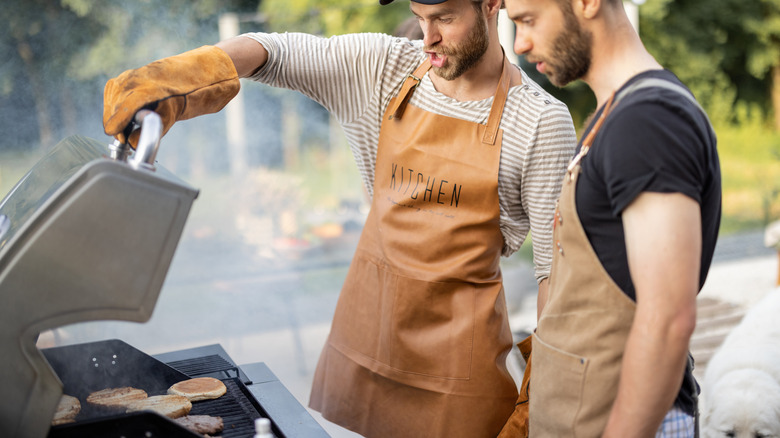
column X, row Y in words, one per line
column 663, row 241
column 247, row 54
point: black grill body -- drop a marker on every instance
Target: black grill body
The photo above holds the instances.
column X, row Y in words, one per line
column 85, row 368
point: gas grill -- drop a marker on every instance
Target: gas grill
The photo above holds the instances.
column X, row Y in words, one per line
column 89, row 234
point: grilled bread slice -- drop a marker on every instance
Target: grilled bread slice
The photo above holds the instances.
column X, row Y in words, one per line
column 116, row 397
column 199, row 388
column 202, row 424
column 67, row 410
column 172, row 406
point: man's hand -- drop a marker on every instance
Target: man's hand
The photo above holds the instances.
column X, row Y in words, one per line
column 180, row 87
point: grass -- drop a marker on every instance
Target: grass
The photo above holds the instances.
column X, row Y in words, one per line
column 750, row 168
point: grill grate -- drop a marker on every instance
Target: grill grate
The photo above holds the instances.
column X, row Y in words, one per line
column 213, row 363
column 236, row 408
column 238, row 414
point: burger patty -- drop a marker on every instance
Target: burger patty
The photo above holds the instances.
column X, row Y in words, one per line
column 116, row 397
column 67, row 410
column 202, row 424
column 172, row 406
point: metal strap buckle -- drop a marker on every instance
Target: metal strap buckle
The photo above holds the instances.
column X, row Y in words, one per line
column 412, row 76
column 576, row 160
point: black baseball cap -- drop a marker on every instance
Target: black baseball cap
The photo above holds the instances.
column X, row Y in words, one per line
column 425, row 2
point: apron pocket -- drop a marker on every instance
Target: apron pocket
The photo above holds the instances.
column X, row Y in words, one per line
column 407, row 325
column 433, row 327
column 556, row 389
column 358, row 320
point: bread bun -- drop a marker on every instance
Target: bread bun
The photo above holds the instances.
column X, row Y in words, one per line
column 199, row 388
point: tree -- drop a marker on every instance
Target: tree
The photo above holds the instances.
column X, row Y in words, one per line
column 57, row 55
column 333, row 17
column 39, row 40
column 726, row 51
column 764, row 56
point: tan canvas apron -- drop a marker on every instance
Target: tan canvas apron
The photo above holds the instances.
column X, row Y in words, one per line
column 579, row 342
column 420, row 334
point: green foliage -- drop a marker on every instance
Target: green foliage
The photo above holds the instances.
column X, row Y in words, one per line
column 333, row 17
column 765, row 25
column 57, row 55
column 722, row 49
column 750, row 166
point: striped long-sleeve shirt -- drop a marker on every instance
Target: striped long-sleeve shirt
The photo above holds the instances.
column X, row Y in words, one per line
column 355, row 76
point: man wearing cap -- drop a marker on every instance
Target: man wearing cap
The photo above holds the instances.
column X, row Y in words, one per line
column 462, row 155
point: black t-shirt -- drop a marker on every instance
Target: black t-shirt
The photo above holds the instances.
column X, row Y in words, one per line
column 654, row 140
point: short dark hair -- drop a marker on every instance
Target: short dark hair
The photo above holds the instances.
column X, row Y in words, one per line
column 566, row 4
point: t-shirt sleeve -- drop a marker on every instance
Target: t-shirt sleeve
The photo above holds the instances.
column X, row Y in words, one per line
column 649, row 147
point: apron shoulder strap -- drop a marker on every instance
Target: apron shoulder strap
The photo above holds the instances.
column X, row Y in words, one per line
column 407, row 89
column 616, row 98
column 497, row 109
column 662, row 83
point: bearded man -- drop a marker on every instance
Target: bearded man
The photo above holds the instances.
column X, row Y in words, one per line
column 635, row 231
column 462, row 155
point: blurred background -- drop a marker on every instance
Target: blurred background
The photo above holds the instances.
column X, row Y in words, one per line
column 269, row 239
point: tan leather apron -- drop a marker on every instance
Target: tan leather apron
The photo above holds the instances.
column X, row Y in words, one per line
column 420, row 335
column 581, row 335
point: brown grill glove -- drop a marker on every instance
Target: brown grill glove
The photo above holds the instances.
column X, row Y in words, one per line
column 517, row 424
column 180, row 87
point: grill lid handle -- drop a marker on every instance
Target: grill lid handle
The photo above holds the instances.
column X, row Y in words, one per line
column 150, row 124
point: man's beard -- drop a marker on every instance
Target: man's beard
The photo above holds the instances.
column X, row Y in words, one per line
column 462, row 57
column 571, row 54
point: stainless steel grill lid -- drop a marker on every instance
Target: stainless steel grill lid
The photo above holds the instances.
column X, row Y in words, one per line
column 83, row 237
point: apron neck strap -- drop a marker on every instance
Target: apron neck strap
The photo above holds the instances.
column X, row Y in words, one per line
column 591, row 135
column 407, row 89
column 497, row 109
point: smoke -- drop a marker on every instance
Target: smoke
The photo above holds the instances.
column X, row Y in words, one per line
column 55, row 65
column 57, row 56
column 255, row 204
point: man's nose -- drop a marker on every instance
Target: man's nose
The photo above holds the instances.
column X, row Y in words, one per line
column 431, row 35
column 522, row 42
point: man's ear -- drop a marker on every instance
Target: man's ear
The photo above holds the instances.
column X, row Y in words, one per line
column 587, row 8
column 493, row 6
